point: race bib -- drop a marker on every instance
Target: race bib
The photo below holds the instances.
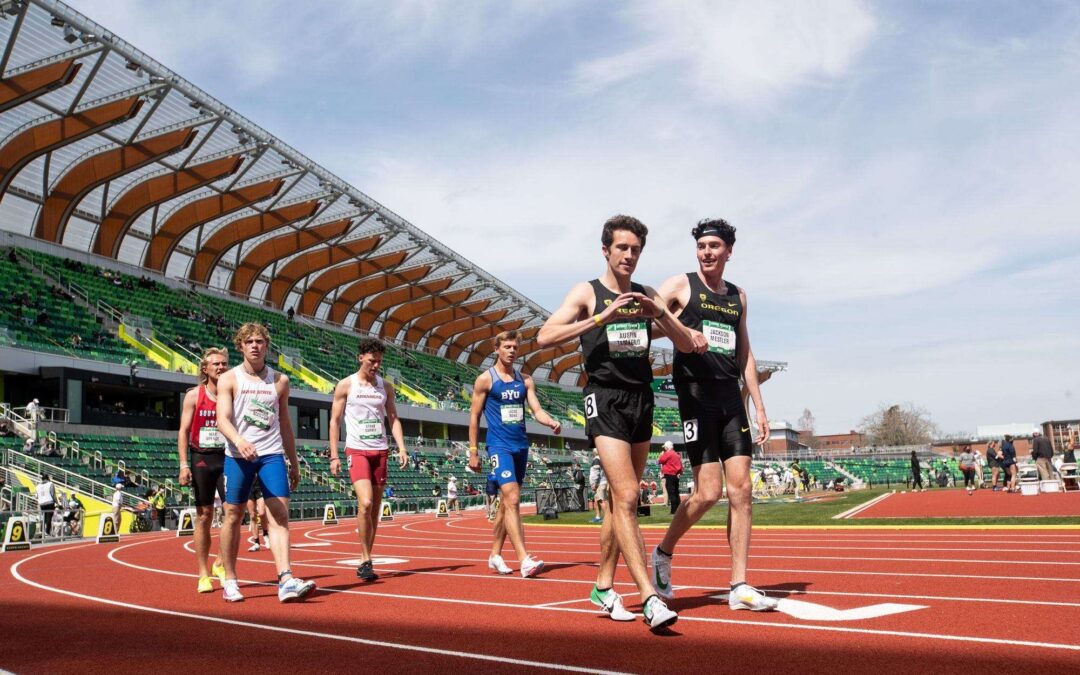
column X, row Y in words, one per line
column 370, row 430
column 721, row 337
column 210, row 438
column 627, row 339
column 512, row 414
column 258, row 414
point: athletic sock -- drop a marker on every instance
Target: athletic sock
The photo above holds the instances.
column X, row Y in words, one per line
column 733, row 586
column 663, row 552
column 603, row 590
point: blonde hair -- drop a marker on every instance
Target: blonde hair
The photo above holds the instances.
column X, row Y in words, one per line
column 247, row 330
column 505, row 336
column 207, row 353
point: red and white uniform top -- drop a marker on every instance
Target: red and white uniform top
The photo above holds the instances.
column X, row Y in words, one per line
column 365, row 409
column 204, row 436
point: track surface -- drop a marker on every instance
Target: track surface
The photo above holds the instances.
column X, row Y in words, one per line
column 1003, row 600
column 954, row 503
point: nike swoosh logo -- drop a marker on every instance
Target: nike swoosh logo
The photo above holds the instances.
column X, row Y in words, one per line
column 659, row 582
column 744, row 429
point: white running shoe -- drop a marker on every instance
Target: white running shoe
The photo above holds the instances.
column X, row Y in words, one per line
column 294, row 589
column 611, row 603
column 661, row 577
column 745, row 596
column 230, row 591
column 657, row 614
column 496, row 562
column 530, row 567
column 255, row 547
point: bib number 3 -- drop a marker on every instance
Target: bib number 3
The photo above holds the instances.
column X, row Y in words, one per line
column 690, row 431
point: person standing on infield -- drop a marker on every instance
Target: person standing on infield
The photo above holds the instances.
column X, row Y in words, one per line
column 501, row 393
column 365, row 399
column 714, row 419
column 614, row 317
column 253, row 416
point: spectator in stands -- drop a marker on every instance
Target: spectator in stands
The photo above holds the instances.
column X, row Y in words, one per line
column 916, row 473
column 416, row 460
column 33, row 411
column 42, row 318
column 76, row 340
column 671, row 467
column 1043, row 454
column 290, row 314
column 121, row 478
column 1008, row 463
column 967, row 467
column 46, row 498
column 419, row 440
column 578, row 476
column 1070, row 454
column 28, row 446
column 388, row 492
column 5, row 428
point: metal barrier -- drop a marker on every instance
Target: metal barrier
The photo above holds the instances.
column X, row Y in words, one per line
column 68, row 479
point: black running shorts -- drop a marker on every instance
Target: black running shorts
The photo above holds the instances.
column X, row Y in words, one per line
column 207, row 477
column 715, row 426
column 623, row 414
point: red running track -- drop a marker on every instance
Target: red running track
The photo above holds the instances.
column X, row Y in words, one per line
column 1000, row 600
column 957, row 503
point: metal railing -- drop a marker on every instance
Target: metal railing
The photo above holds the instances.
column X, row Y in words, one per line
column 36, row 468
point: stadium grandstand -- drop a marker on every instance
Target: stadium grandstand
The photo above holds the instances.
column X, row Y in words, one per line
column 143, row 220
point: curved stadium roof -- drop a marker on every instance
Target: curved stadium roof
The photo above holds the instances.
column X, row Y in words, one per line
column 105, row 150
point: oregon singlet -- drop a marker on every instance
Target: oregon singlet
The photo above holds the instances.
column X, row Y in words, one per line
column 717, row 316
column 504, row 411
column 365, row 408
column 205, row 436
column 617, row 354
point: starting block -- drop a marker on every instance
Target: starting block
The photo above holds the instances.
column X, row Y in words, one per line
column 107, row 532
column 186, row 525
column 387, row 512
column 440, row 510
column 16, row 537
column 329, row 515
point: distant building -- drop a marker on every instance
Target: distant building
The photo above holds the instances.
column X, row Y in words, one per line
column 1062, row 433
column 832, row 442
column 783, row 438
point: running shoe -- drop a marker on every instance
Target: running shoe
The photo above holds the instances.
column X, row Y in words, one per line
column 661, row 577
column 497, row 563
column 206, row 584
column 230, row 590
column 657, row 614
column 745, row 596
column 294, row 589
column 218, row 570
column 366, row 571
column 612, row 604
column 255, row 547
column 530, row 567
column 596, row 520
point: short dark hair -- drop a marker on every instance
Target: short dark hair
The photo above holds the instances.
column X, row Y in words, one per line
column 620, row 222
column 715, row 228
column 370, row 345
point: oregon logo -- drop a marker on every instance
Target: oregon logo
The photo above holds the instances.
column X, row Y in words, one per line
column 607, row 301
column 703, row 297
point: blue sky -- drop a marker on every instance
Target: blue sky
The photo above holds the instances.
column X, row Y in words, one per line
column 904, row 176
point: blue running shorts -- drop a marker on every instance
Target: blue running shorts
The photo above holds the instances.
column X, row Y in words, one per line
column 240, row 474
column 508, row 466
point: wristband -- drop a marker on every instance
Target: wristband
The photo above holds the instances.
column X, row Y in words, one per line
column 185, row 466
column 335, row 459
column 473, row 448
column 597, row 321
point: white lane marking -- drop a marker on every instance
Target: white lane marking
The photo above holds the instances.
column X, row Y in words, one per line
column 311, row 545
column 862, row 507
column 353, row 562
column 295, row 631
column 745, row 622
column 812, row 611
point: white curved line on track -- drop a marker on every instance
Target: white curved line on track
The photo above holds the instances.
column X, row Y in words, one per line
column 759, row 624
column 282, row 629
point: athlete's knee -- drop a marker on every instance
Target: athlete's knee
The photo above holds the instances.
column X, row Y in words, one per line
column 364, row 504
column 738, row 493
column 203, row 514
column 624, row 499
column 511, row 500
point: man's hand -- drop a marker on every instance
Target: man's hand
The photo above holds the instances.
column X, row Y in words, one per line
column 294, row 477
column 335, row 466
column 649, row 307
column 763, row 428
column 556, row 426
column 474, row 461
column 185, row 475
column 246, row 450
column 701, row 344
column 403, row 458
column 626, row 299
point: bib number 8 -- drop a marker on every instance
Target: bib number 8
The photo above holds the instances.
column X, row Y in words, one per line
column 590, row 406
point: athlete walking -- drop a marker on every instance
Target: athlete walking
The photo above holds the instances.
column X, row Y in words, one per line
column 501, row 393
column 614, row 317
column 714, row 418
column 365, row 400
column 199, row 436
column 253, row 416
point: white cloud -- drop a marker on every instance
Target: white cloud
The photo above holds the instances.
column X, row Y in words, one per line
column 741, row 51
